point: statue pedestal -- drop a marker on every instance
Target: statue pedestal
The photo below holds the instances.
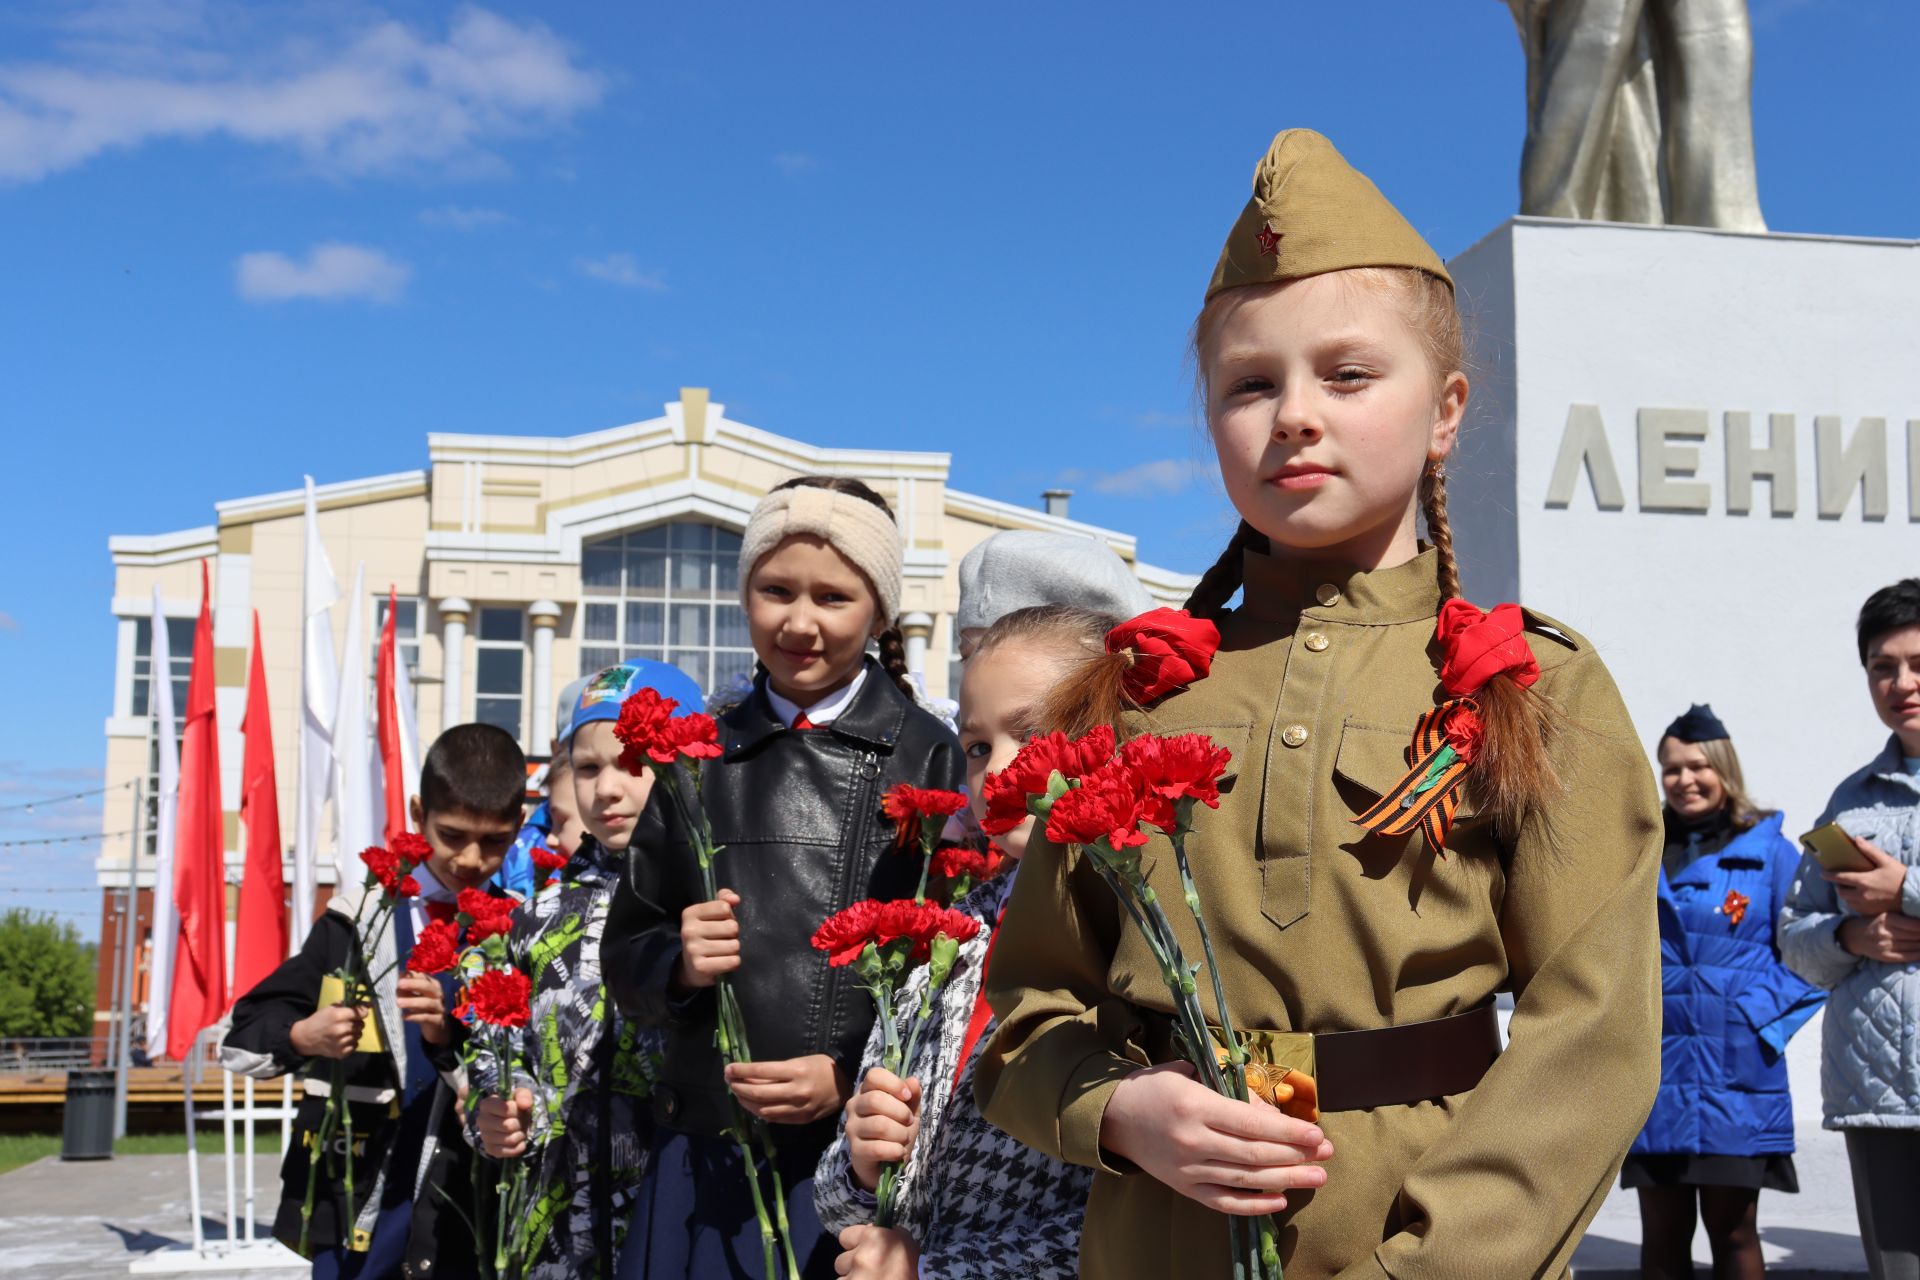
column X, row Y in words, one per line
column 1701, row 449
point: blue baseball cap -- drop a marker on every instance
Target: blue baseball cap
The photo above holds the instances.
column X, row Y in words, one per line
column 604, row 693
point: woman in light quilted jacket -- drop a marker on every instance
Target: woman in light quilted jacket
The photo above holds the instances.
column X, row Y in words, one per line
column 1858, row 935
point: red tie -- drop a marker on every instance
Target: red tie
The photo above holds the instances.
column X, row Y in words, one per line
column 982, row 1011
column 801, row 724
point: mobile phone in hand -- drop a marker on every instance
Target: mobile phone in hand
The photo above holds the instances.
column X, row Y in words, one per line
column 1834, row 849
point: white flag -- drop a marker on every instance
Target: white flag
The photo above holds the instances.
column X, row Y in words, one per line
column 319, row 700
column 357, row 819
column 166, row 916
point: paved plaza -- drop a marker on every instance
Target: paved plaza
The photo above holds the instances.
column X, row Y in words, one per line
column 88, row 1220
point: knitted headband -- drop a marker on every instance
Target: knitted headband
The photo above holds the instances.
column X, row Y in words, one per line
column 854, row 527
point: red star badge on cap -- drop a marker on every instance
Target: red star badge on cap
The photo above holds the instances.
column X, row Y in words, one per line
column 1269, row 240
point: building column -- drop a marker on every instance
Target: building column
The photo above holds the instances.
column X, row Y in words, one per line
column 454, row 612
column 917, row 628
column 545, row 616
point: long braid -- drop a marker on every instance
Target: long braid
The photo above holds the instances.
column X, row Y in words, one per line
column 1433, row 503
column 893, row 660
column 1217, row 584
column 1515, row 776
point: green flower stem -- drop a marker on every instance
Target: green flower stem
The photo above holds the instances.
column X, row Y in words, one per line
column 1236, row 1053
column 742, row 1141
column 730, row 1031
column 926, row 864
column 1251, row 1242
column 346, row 1115
column 779, row 1200
column 321, row 1150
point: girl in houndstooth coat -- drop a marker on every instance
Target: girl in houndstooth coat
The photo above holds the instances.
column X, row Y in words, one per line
column 972, row 1202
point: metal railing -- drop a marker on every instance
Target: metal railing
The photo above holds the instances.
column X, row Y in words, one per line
column 34, row 1055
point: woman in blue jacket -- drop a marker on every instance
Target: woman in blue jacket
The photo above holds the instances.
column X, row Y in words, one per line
column 1722, row 1123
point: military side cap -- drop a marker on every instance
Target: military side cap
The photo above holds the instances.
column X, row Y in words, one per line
column 1312, row 213
column 1699, row 724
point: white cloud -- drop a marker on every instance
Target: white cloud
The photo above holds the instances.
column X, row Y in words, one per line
column 621, row 269
column 464, row 219
column 381, row 97
column 795, row 163
column 1164, row 475
column 331, row 272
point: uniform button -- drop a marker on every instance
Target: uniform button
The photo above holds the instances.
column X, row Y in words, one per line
column 1294, row 735
column 1327, row 594
column 1316, row 642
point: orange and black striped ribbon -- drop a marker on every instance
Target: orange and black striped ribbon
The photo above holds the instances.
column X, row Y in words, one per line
column 1404, row 807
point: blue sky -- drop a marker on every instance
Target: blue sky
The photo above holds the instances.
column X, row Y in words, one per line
column 241, row 242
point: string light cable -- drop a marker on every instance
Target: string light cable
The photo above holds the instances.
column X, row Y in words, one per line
column 30, row 805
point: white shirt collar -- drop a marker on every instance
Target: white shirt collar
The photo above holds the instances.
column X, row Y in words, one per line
column 823, row 712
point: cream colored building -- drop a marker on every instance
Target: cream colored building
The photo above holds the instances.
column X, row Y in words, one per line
column 521, row 562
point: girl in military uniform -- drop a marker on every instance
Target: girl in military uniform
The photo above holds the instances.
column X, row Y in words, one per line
column 1368, row 893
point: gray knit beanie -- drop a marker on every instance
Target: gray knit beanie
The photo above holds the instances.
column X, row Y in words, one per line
column 1018, row 568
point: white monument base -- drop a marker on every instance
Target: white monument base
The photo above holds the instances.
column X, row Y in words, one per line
column 1702, row 450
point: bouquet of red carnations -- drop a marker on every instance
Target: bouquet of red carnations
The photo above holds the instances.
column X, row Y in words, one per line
column 673, row 748
column 883, row 940
column 1099, row 798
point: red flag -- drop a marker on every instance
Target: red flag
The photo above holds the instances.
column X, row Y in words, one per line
column 391, row 772
column 199, row 870
column 260, row 942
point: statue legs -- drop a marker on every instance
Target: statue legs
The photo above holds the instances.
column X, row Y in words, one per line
column 1708, row 92
column 1588, row 153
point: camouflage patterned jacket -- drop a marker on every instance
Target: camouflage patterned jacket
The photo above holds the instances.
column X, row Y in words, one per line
column 590, row 1072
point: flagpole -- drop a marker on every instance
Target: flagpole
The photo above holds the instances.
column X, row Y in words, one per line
column 129, row 944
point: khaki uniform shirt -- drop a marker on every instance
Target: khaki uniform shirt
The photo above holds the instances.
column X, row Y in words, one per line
column 1320, row 927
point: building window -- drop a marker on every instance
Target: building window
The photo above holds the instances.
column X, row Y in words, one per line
column 671, row 593
column 406, row 636
column 180, row 664
column 500, row 677
column 179, row 658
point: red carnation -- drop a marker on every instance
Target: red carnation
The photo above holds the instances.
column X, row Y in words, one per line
column 1476, row 647
column 1167, row 649
column 1186, row 767
column 1109, row 804
column 546, row 861
column 491, row 927
column 478, row 904
column 436, row 949
column 407, row 888
column 642, row 725
column 910, row 806
column 1464, row 732
column 955, row 861
column 383, row 866
column 922, row 922
column 695, row 736
column 499, row 997
column 413, row 848
column 1027, row 774
column 845, row 934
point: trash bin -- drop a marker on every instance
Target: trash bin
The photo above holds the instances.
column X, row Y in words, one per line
column 88, row 1130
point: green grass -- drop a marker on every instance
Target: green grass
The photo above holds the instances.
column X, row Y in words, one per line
column 18, row 1149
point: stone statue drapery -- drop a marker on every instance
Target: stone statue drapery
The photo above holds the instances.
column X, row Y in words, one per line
column 1639, row 111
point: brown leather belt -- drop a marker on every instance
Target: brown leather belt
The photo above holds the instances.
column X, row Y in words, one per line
column 1395, row 1066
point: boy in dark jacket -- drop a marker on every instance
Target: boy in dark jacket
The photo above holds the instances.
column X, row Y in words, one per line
column 401, row 1065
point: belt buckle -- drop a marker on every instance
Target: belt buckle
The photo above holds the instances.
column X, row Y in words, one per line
column 1271, row 1055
